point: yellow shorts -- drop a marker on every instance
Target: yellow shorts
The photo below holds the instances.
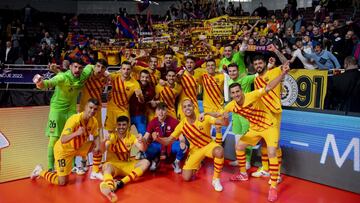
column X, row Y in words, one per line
column 111, row 117
column 64, row 158
column 270, row 135
column 196, row 155
column 122, row 168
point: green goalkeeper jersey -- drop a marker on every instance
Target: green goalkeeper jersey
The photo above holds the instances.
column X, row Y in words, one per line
column 67, row 89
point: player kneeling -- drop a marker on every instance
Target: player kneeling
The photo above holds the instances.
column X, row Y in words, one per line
column 78, row 137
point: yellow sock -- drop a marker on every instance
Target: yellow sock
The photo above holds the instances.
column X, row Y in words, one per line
column 96, row 162
column 50, row 177
column 218, row 165
column 274, row 171
column 264, row 158
column 241, row 158
column 279, row 156
column 108, row 179
column 218, row 138
column 132, row 176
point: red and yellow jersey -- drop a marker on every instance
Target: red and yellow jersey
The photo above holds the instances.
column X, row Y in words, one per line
column 72, row 125
column 168, row 95
column 119, row 148
column 198, row 133
column 253, row 109
column 213, row 97
column 272, row 100
column 189, row 84
column 121, row 92
column 93, row 88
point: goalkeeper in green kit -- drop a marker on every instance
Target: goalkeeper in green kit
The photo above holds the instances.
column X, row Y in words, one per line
column 63, row 102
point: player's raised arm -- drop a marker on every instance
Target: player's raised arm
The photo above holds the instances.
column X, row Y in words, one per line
column 277, row 80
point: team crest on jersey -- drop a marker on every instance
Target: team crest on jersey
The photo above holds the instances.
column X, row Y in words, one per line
column 266, row 79
column 127, row 88
column 168, row 128
column 217, row 79
column 201, row 128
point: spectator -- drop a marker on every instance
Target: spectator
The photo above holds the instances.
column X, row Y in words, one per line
column 344, row 88
column 323, row 58
column 8, row 54
column 47, row 39
column 297, row 54
column 261, row 11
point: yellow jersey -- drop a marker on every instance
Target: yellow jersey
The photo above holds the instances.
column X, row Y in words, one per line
column 121, row 92
column 72, row 124
column 272, row 100
column 168, row 95
column 198, row 133
column 213, row 97
column 119, row 148
column 253, row 109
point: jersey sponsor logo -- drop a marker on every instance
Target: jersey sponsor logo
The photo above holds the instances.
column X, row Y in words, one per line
column 289, row 91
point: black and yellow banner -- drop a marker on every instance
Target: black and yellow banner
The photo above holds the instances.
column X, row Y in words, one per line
column 305, row 88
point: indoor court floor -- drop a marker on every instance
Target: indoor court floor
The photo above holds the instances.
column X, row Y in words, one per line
column 164, row 186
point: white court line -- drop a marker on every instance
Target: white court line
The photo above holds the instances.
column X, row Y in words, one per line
column 304, row 144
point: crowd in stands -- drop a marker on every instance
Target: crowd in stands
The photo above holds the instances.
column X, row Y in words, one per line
column 320, row 37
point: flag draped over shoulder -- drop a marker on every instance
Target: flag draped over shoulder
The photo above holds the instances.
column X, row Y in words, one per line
column 143, row 5
column 124, row 25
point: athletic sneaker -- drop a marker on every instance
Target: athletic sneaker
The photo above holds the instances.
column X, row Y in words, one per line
column 153, row 166
column 176, row 166
column 272, row 197
column 240, row 177
column 234, row 163
column 217, row 185
column 78, row 170
column 98, row 175
column 279, row 180
column 107, row 192
column 36, row 172
column 260, row 173
column 119, row 184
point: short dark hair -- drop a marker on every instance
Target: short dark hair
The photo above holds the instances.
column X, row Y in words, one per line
column 233, row 65
column 161, row 105
column 235, row 84
column 122, row 119
column 126, row 63
column 210, row 60
column 102, row 62
column 190, row 57
column 76, row 60
column 228, row 45
column 144, row 71
column 94, row 101
column 258, row 57
column 170, row 70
